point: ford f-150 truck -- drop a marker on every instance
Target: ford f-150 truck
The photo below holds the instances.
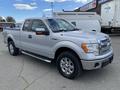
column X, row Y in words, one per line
column 56, row 40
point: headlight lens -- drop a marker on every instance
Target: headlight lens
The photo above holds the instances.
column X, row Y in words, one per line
column 90, row 48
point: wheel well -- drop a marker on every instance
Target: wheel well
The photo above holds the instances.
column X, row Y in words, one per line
column 63, row 49
column 9, row 39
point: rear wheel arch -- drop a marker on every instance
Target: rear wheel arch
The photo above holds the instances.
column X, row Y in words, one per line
column 16, row 51
column 9, row 39
column 12, row 49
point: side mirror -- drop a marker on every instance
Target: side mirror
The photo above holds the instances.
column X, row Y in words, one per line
column 41, row 31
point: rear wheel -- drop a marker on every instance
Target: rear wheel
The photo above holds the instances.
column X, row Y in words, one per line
column 12, row 49
column 69, row 65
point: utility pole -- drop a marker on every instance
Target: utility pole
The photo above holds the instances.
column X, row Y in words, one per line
column 52, row 8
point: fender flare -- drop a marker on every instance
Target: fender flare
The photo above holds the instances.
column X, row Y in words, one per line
column 68, row 44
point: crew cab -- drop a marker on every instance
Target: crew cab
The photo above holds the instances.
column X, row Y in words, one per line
column 56, row 40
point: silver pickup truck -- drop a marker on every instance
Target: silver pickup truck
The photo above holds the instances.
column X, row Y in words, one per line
column 56, row 40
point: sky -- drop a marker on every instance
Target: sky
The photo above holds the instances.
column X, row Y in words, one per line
column 21, row 9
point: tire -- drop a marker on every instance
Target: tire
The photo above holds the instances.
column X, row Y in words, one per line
column 12, row 49
column 71, row 67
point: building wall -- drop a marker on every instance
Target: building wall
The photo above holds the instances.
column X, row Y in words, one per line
column 96, row 9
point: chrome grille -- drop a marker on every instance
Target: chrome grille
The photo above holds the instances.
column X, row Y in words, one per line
column 105, row 46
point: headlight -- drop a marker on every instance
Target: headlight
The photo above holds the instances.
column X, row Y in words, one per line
column 90, row 48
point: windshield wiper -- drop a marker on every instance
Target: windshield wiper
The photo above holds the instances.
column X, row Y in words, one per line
column 61, row 30
column 75, row 29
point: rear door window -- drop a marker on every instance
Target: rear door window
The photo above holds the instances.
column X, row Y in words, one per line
column 27, row 25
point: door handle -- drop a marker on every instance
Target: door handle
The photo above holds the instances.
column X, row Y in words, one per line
column 30, row 36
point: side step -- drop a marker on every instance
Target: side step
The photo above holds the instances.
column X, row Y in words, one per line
column 34, row 56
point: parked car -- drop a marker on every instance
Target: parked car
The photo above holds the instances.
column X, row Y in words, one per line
column 6, row 25
column 18, row 25
column 56, row 40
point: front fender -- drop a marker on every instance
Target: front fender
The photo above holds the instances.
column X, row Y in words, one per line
column 70, row 45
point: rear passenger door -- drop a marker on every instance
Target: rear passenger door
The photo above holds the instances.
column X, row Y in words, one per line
column 38, row 44
column 26, row 36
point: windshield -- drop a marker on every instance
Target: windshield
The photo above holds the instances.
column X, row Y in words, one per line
column 60, row 25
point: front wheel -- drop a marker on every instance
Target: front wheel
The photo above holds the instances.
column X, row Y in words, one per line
column 69, row 65
column 12, row 49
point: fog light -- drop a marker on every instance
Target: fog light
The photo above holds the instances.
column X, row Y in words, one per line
column 96, row 64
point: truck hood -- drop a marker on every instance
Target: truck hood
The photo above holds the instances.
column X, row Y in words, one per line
column 85, row 35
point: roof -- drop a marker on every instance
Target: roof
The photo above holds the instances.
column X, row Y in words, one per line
column 42, row 18
column 74, row 13
column 7, row 22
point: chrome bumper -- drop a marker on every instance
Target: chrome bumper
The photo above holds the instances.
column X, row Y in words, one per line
column 96, row 64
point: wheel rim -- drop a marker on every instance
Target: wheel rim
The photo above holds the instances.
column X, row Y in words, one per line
column 11, row 49
column 67, row 65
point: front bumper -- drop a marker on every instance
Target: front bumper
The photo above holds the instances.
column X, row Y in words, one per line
column 96, row 64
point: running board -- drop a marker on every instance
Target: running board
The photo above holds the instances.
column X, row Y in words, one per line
column 46, row 60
